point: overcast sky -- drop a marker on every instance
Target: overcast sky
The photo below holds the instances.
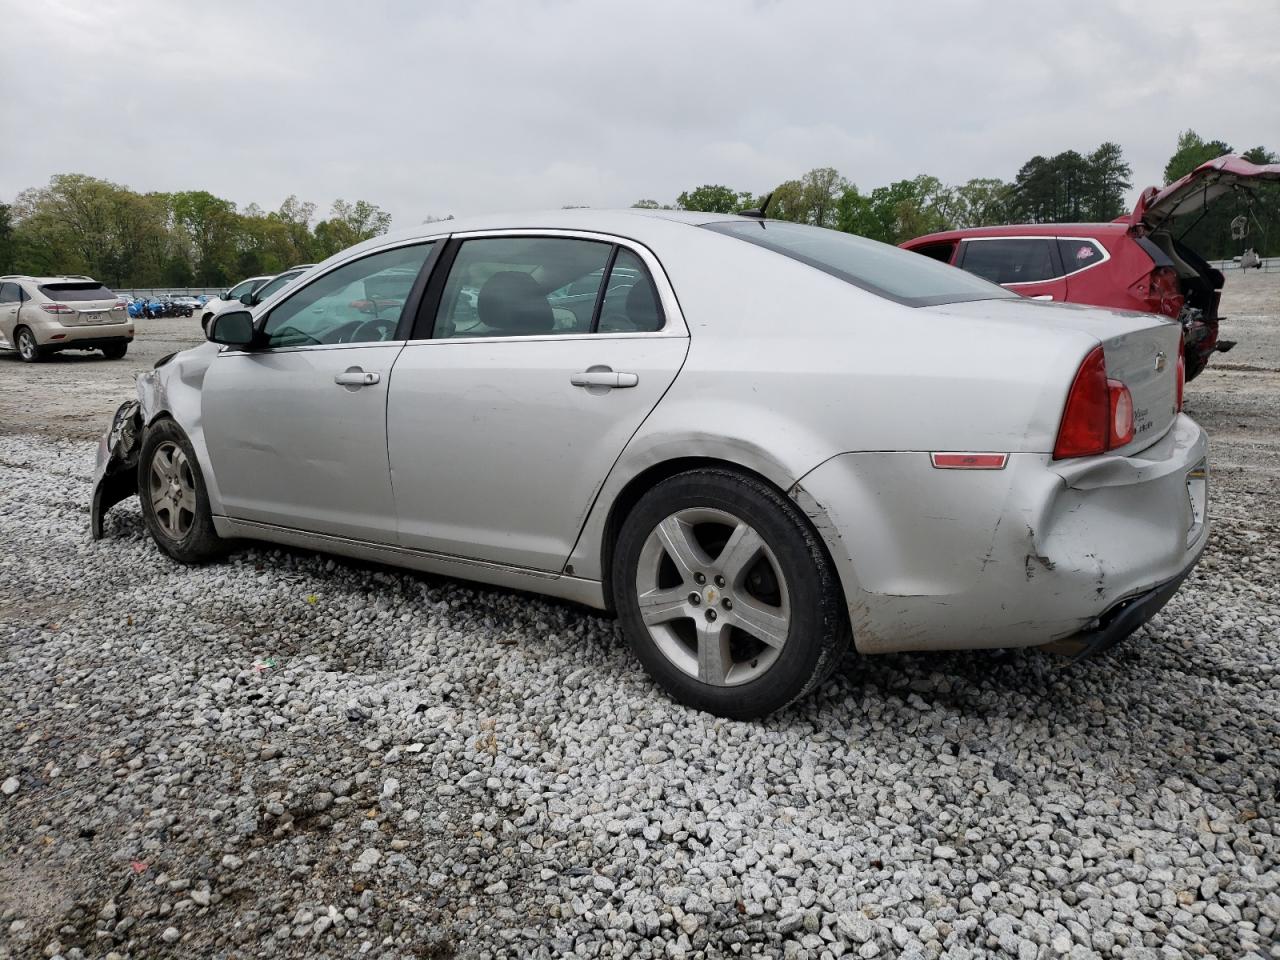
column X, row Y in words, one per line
column 471, row 107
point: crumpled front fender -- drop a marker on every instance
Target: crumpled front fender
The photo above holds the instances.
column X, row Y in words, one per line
column 116, row 476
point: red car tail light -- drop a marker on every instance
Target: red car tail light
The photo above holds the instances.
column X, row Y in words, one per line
column 1099, row 412
column 56, row 308
column 121, row 304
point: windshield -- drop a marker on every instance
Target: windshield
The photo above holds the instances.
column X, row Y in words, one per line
column 899, row 275
column 267, row 289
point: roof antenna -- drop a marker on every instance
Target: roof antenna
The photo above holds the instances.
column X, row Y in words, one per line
column 762, row 212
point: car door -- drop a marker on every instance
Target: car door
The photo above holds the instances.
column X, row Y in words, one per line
column 296, row 428
column 10, row 300
column 509, row 407
column 1027, row 265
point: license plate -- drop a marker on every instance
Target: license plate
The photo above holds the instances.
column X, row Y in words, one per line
column 1197, row 496
column 93, row 317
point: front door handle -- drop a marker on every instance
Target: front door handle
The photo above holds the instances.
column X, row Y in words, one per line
column 355, row 377
column 602, row 376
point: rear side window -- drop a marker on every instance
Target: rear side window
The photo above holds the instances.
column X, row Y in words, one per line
column 1010, row 261
column 937, row 251
column 899, row 275
column 76, row 290
column 1078, row 254
column 545, row 286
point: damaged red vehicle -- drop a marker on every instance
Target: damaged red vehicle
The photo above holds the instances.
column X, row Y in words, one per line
column 1136, row 262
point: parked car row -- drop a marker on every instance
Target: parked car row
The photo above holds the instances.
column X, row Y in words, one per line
column 1138, row 262
column 756, row 442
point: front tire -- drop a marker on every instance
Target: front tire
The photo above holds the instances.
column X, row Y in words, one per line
column 175, row 504
column 28, row 349
column 726, row 594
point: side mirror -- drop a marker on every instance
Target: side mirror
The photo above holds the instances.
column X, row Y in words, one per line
column 233, row 329
column 247, row 299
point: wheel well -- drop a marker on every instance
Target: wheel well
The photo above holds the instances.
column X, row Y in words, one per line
column 646, row 480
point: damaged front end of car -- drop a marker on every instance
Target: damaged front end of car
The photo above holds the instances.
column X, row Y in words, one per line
column 116, row 476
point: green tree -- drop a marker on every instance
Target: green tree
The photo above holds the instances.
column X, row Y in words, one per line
column 349, row 224
column 206, row 226
column 646, row 205
column 982, row 202
column 8, row 246
column 1190, row 153
column 710, row 198
column 1106, row 182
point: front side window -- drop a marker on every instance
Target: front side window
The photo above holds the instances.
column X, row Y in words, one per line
column 271, row 286
column 1078, row 254
column 360, row 302
column 1028, row 260
column 522, row 286
column 8, row 293
column 878, row 268
column 240, row 289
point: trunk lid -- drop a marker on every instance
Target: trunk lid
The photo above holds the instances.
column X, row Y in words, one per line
column 1141, row 351
column 1158, row 206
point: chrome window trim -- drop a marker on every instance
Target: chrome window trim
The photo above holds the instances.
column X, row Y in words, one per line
column 675, row 326
column 1106, row 255
column 276, row 351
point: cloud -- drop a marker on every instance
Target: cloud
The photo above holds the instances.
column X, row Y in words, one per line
column 434, row 108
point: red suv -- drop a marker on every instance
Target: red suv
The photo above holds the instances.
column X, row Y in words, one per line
column 1133, row 263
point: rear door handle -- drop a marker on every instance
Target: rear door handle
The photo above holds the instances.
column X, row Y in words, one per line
column 603, row 377
column 355, row 377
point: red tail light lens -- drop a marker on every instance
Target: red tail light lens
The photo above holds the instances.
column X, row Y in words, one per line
column 121, row 304
column 56, row 308
column 1182, row 377
column 1085, row 420
column 1099, row 413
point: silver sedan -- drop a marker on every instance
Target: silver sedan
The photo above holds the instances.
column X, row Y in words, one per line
column 756, row 442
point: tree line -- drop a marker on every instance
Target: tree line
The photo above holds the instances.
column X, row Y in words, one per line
column 80, row 224
column 1068, row 187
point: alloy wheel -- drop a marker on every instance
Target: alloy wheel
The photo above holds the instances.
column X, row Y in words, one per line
column 27, row 348
column 713, row 596
column 173, row 490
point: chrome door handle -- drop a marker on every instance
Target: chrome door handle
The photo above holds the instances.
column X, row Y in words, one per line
column 603, row 377
column 355, row 377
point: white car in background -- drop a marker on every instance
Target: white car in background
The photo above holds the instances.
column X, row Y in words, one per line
column 252, row 292
column 757, row 442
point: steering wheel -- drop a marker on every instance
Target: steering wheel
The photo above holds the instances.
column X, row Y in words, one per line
column 373, row 329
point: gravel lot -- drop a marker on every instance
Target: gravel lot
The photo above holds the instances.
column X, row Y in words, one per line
column 293, row 756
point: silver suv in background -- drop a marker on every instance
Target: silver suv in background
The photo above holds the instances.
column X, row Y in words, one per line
column 250, row 293
column 43, row 315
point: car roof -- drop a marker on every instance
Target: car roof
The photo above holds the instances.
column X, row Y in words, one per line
column 1023, row 230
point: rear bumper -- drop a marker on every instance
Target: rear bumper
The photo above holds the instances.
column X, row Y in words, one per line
column 56, row 336
column 1037, row 552
column 1118, row 622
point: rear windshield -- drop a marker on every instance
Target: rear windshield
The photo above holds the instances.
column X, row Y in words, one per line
column 899, row 275
column 76, row 290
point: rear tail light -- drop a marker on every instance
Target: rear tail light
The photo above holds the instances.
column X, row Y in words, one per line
column 1182, row 378
column 121, row 304
column 1099, row 413
column 56, row 308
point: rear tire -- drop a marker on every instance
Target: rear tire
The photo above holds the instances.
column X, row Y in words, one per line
column 115, row 351
column 28, row 349
column 175, row 504
column 768, row 624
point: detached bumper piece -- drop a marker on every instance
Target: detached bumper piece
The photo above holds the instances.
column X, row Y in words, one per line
column 1118, row 622
column 116, row 478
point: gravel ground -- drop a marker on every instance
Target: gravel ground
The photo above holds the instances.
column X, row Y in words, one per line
column 293, row 756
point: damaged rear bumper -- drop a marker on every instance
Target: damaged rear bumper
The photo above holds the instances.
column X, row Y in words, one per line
column 115, row 477
column 1118, row 622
